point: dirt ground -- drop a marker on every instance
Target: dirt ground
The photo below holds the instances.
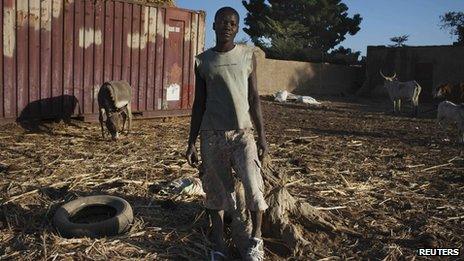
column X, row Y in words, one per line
column 397, row 180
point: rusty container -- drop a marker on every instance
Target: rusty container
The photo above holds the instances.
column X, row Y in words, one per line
column 55, row 54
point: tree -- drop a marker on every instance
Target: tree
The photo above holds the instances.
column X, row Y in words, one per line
column 399, row 40
column 454, row 22
column 298, row 28
column 343, row 55
column 243, row 41
column 287, row 217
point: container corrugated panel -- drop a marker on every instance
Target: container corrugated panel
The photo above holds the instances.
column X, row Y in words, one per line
column 55, row 55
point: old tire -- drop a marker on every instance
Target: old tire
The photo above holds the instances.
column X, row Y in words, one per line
column 117, row 223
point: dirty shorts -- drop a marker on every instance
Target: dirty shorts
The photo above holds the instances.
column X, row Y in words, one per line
column 220, row 152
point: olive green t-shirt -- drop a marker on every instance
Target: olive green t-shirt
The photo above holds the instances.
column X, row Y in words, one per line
column 226, row 77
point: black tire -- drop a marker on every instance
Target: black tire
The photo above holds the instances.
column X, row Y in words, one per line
column 117, row 224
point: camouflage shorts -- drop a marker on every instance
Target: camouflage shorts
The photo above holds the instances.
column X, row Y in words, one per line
column 222, row 151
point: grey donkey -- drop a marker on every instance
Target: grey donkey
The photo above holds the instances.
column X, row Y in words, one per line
column 114, row 101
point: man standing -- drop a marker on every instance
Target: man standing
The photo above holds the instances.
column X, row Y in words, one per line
column 226, row 103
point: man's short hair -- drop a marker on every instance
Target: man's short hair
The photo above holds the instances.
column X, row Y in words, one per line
column 225, row 10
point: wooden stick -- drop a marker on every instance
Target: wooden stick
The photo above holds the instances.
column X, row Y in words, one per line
column 308, row 137
column 339, row 192
column 24, row 144
column 415, row 166
column 141, row 233
column 110, row 181
column 135, row 182
column 20, row 196
column 437, row 166
column 294, row 182
column 57, row 159
column 44, row 245
column 455, row 158
column 296, row 168
column 455, row 218
column 330, row 208
column 33, row 191
column 293, row 130
column 71, row 160
column 70, row 241
column 7, row 256
column 388, row 199
column 344, row 180
column 284, row 159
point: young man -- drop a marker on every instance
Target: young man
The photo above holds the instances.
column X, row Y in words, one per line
column 226, row 103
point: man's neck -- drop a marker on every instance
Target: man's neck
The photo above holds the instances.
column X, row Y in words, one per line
column 224, row 47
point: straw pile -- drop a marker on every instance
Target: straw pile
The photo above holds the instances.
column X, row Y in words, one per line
column 395, row 181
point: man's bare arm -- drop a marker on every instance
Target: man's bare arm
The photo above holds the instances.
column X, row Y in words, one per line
column 198, row 109
column 255, row 111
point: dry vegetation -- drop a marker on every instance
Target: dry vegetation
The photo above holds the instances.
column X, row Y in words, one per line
column 394, row 180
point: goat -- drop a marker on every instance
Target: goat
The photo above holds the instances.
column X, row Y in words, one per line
column 448, row 111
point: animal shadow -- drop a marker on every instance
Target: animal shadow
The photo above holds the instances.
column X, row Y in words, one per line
column 34, row 116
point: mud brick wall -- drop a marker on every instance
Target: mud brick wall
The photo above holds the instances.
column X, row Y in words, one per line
column 428, row 65
column 306, row 78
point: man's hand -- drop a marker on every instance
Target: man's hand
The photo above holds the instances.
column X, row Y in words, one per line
column 262, row 149
column 192, row 156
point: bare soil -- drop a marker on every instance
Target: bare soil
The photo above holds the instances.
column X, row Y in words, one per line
column 397, row 180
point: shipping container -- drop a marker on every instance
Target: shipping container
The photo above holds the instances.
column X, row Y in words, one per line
column 55, row 55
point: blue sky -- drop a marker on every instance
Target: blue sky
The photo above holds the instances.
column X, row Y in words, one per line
column 382, row 19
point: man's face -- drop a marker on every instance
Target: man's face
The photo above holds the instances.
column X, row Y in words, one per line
column 226, row 27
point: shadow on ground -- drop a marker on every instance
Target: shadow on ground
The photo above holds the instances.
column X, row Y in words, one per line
column 38, row 115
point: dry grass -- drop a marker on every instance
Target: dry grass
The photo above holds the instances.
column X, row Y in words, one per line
column 392, row 179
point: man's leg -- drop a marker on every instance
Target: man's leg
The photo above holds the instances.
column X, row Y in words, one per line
column 218, row 185
column 256, row 220
column 217, row 232
column 248, row 168
column 255, row 251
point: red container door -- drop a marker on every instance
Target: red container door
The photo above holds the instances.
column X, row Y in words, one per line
column 176, row 63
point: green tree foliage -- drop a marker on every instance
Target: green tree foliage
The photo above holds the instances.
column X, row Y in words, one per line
column 454, row 22
column 298, row 29
column 243, row 41
column 399, row 40
column 343, row 55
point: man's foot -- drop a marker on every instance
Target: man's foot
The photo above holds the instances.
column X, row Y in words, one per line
column 216, row 255
column 255, row 251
